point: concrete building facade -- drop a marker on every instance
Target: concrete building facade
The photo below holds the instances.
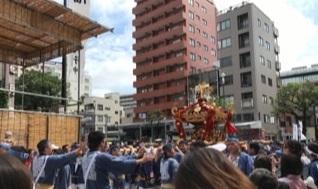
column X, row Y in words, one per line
column 102, row 112
column 248, row 52
column 173, row 38
column 299, row 75
column 128, row 103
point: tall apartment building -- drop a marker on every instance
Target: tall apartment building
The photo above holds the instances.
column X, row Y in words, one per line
column 249, row 56
column 173, row 38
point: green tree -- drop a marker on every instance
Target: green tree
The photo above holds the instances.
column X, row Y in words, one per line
column 40, row 83
column 3, row 99
column 298, row 100
column 153, row 116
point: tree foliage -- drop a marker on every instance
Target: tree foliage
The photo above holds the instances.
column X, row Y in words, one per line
column 41, row 83
column 298, row 100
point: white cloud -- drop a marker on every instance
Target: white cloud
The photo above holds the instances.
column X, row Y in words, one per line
column 109, row 57
column 298, row 38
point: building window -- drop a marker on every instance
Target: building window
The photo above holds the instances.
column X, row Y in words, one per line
column 259, row 22
column 244, row 40
column 197, row 4
column 260, row 41
column 198, row 44
column 212, row 39
column 205, row 22
column 206, row 48
column 266, row 118
column 107, row 108
column 213, row 52
column 205, row 35
column 262, row 60
column 248, row 117
column 198, row 30
column 245, row 60
column 191, row 29
column 198, row 17
column 224, row 43
column 264, row 98
column 229, row 100
column 206, row 61
column 266, row 27
column 246, row 79
column 268, row 46
column 192, row 42
column 247, row 100
column 225, row 62
column 116, row 112
column 192, row 56
column 242, row 21
column 269, row 64
column 199, row 57
column 100, row 118
column 204, row 9
column 100, row 107
column 271, row 100
column 191, row 15
column 270, row 82
column 191, row 2
column 224, row 25
column 263, row 78
column 228, row 80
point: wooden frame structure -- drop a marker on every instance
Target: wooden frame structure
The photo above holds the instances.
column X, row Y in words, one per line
column 34, row 31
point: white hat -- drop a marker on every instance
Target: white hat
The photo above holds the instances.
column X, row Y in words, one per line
column 219, row 147
column 310, row 183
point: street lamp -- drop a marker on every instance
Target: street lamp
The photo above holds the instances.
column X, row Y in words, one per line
column 223, row 86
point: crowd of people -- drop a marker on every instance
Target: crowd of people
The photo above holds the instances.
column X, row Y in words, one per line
column 182, row 164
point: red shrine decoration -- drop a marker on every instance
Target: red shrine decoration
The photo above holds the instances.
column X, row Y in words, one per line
column 204, row 116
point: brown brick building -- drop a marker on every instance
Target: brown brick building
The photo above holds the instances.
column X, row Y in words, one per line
column 173, row 39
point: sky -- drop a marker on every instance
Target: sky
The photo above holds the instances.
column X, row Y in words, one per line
column 109, row 56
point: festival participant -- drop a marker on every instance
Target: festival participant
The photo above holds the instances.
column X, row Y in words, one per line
column 254, row 149
column 291, row 169
column 168, row 167
column 8, row 138
column 77, row 180
column 312, row 150
column 8, row 149
column 263, row 179
column 97, row 165
column 13, row 174
column 118, row 180
column 209, row 168
column 292, row 147
column 240, row 159
column 263, row 161
column 45, row 165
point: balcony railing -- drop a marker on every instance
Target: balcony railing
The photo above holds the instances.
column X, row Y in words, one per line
column 247, row 103
column 161, row 64
column 160, row 78
column 157, row 12
column 177, row 31
column 276, row 49
column 277, row 65
column 171, row 19
column 275, row 32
